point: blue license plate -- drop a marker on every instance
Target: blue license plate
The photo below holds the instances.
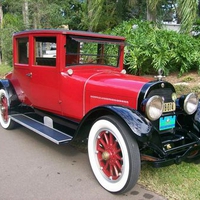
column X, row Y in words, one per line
column 167, row 122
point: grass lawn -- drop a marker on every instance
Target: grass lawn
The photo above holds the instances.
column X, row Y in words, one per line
column 4, row 69
column 176, row 182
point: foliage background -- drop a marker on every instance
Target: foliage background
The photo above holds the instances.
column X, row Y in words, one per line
column 151, row 47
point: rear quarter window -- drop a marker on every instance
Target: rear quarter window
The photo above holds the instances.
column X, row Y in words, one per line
column 22, row 50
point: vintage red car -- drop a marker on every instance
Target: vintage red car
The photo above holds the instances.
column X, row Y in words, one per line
column 70, row 87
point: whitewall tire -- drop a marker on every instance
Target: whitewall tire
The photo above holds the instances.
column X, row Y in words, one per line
column 113, row 154
column 5, row 120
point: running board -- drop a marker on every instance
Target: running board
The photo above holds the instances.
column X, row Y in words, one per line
column 52, row 134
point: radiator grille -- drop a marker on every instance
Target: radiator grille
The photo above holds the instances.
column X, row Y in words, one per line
column 166, row 93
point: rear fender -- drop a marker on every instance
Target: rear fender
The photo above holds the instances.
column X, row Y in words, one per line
column 140, row 127
column 8, row 87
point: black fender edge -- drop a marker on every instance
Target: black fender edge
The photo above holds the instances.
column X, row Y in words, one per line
column 197, row 119
column 138, row 124
column 8, row 87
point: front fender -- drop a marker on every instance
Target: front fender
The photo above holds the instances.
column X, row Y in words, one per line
column 197, row 119
column 139, row 125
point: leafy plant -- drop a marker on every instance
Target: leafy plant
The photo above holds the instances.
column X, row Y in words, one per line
column 4, row 69
column 11, row 24
column 151, row 48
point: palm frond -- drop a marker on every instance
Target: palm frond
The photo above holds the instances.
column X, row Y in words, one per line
column 152, row 4
column 188, row 12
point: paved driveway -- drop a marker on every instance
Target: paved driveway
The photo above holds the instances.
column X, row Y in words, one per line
column 33, row 168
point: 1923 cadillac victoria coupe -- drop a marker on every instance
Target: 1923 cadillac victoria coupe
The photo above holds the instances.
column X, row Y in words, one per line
column 70, row 87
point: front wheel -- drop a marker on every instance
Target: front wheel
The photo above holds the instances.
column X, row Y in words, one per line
column 113, row 154
column 5, row 120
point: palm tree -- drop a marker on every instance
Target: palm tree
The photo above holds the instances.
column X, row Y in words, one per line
column 151, row 9
column 1, row 24
column 93, row 10
column 186, row 11
column 109, row 12
column 1, row 15
column 25, row 12
column 100, row 12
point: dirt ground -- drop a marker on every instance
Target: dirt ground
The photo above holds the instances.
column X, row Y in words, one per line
column 189, row 82
column 191, row 79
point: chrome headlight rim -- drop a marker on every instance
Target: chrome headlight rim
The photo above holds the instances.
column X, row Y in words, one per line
column 154, row 107
column 190, row 103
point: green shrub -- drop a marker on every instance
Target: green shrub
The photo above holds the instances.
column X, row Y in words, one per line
column 4, row 69
column 151, row 48
column 11, row 24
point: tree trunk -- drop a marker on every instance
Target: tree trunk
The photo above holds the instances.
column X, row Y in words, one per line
column 199, row 8
column 1, row 26
column 151, row 14
column 25, row 14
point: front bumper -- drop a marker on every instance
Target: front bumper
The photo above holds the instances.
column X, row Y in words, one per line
column 185, row 153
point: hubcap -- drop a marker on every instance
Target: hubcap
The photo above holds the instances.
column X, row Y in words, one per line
column 109, row 155
column 105, row 155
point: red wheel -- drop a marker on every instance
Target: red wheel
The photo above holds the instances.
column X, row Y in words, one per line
column 5, row 120
column 113, row 154
column 109, row 155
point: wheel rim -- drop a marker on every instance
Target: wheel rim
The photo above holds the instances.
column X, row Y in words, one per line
column 4, row 108
column 109, row 155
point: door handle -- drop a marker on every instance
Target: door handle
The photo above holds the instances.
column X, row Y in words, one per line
column 29, row 74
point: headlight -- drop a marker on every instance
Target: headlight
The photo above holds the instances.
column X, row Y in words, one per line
column 154, row 107
column 190, row 103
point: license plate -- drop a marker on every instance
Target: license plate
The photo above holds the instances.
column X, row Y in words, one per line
column 167, row 122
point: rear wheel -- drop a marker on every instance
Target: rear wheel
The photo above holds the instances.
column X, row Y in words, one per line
column 114, row 155
column 5, row 120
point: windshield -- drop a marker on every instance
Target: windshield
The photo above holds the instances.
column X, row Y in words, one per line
column 82, row 50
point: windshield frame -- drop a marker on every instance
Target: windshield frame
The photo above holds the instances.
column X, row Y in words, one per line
column 97, row 52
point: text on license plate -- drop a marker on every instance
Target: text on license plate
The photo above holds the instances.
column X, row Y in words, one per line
column 167, row 122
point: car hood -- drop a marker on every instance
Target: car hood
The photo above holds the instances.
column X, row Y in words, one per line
column 113, row 88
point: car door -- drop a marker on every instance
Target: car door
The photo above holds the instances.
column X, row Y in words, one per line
column 21, row 61
column 44, row 80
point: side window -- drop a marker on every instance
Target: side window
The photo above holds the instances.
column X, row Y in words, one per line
column 45, row 51
column 95, row 51
column 22, row 50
